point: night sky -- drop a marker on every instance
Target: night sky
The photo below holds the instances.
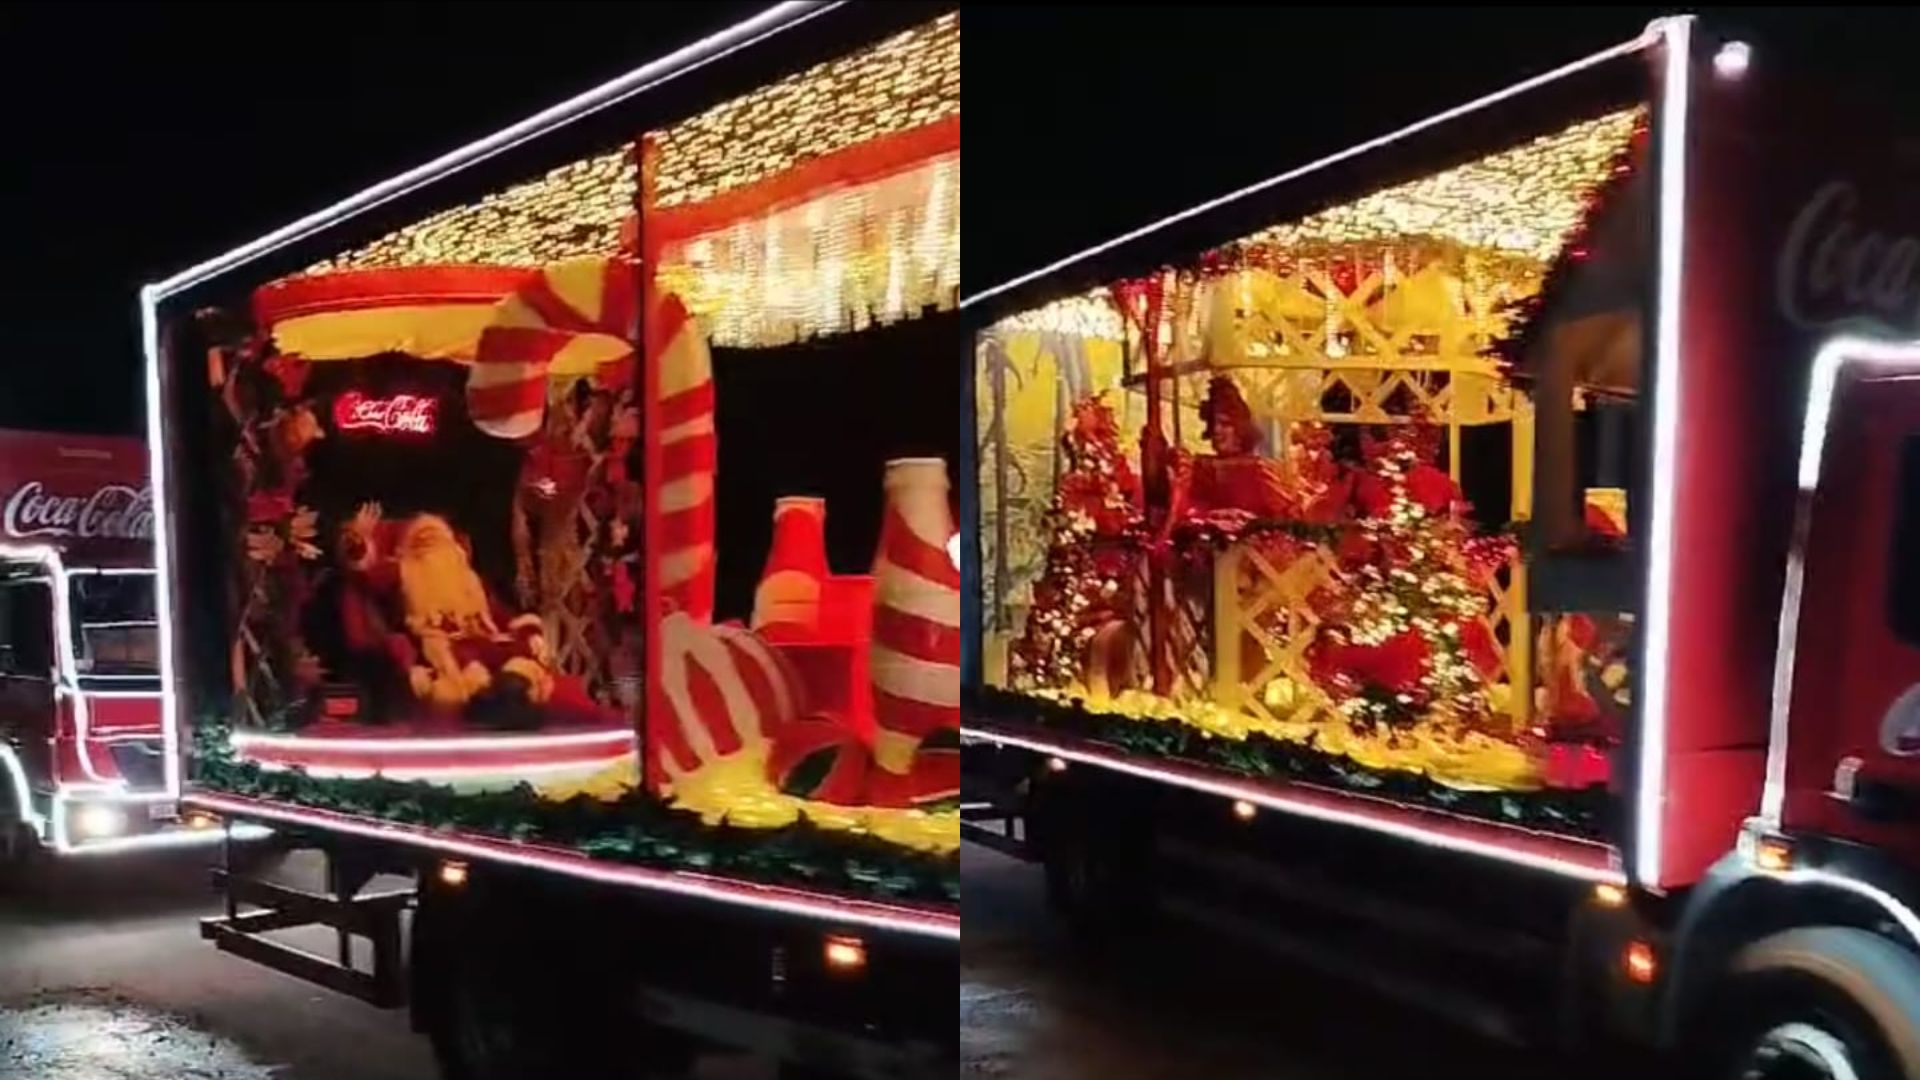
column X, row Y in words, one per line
column 144, row 138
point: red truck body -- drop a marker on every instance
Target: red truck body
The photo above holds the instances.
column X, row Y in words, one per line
column 1763, row 785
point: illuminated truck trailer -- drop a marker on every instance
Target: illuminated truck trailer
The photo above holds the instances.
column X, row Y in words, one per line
column 1493, row 544
column 559, row 525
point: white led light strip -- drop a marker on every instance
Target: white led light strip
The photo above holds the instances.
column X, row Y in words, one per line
column 505, row 772
column 1827, row 362
column 1652, row 34
column 612, row 739
column 1671, row 124
column 763, row 897
column 1276, row 800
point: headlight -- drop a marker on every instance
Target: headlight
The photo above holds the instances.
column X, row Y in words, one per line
column 99, row 821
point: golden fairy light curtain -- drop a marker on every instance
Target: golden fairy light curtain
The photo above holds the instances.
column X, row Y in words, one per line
column 824, row 203
column 852, row 257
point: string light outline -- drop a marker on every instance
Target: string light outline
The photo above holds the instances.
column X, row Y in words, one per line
column 1260, row 796
column 1833, row 355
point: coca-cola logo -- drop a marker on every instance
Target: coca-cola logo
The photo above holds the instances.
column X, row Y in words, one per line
column 1833, row 269
column 111, row 512
column 401, row 414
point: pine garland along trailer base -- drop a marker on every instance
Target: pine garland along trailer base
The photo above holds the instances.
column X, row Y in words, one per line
column 474, row 481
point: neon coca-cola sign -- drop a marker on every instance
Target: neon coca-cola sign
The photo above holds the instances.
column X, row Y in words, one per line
column 401, row 414
column 1834, row 269
column 109, row 512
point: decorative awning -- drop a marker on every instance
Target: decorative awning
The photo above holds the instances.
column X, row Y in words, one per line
column 430, row 312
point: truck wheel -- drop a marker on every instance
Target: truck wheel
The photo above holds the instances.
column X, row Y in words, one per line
column 492, row 1025
column 19, row 847
column 1095, row 874
column 1821, row 1003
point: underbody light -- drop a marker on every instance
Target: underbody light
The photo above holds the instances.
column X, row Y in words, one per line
column 1278, row 801
column 772, row 898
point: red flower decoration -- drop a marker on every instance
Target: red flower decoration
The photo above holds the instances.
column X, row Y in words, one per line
column 1476, row 641
column 1372, row 496
column 290, row 371
column 1354, row 549
column 623, row 587
column 268, row 506
column 1432, row 488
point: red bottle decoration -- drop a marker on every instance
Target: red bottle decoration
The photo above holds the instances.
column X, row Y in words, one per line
column 787, row 604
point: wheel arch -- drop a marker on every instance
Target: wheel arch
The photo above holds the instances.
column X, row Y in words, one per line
column 1738, row 905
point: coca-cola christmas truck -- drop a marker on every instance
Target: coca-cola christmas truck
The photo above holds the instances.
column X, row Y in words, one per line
column 86, row 764
column 1487, row 561
column 516, row 542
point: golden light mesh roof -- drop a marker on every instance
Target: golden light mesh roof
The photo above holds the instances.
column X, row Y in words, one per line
column 1523, row 201
column 574, row 210
column 908, row 80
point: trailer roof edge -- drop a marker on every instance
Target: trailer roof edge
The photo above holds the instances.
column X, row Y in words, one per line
column 721, row 43
column 1646, row 39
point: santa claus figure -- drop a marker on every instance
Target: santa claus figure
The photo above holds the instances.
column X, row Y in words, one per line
column 472, row 651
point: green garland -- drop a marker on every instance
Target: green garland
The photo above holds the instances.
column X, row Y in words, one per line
column 636, row 828
column 1586, row 813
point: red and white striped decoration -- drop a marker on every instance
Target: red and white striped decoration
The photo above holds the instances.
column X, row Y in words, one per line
column 689, row 452
column 573, row 317
column 725, row 689
column 916, row 618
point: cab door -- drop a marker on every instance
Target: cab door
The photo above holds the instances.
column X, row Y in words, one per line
column 1852, row 724
column 27, row 686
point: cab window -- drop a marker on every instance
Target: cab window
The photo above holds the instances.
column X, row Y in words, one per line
column 26, row 629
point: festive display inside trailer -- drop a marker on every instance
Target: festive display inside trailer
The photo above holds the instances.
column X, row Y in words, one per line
column 1344, row 501
column 483, row 478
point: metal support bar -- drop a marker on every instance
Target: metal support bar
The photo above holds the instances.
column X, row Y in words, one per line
column 374, row 916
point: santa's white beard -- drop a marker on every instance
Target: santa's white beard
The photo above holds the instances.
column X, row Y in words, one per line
column 440, row 588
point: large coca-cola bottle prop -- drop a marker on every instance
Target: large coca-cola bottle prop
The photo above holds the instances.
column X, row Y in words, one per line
column 786, row 605
column 915, row 655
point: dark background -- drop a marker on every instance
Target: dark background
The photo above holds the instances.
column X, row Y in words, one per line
column 144, row 138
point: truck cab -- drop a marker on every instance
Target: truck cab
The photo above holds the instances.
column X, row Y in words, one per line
column 85, row 758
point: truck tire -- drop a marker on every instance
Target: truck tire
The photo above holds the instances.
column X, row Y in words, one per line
column 1819, row 1002
column 1095, row 865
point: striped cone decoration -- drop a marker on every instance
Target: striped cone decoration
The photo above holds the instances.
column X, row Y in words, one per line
column 725, row 690
column 576, row 315
column 689, row 450
column 916, row 627
column 787, row 603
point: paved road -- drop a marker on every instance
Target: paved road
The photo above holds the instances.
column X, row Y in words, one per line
column 103, row 977
column 1034, row 1008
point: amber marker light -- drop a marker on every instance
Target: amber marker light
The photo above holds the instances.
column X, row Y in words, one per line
column 846, row 954
column 1607, row 894
column 1641, row 966
column 453, row 873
